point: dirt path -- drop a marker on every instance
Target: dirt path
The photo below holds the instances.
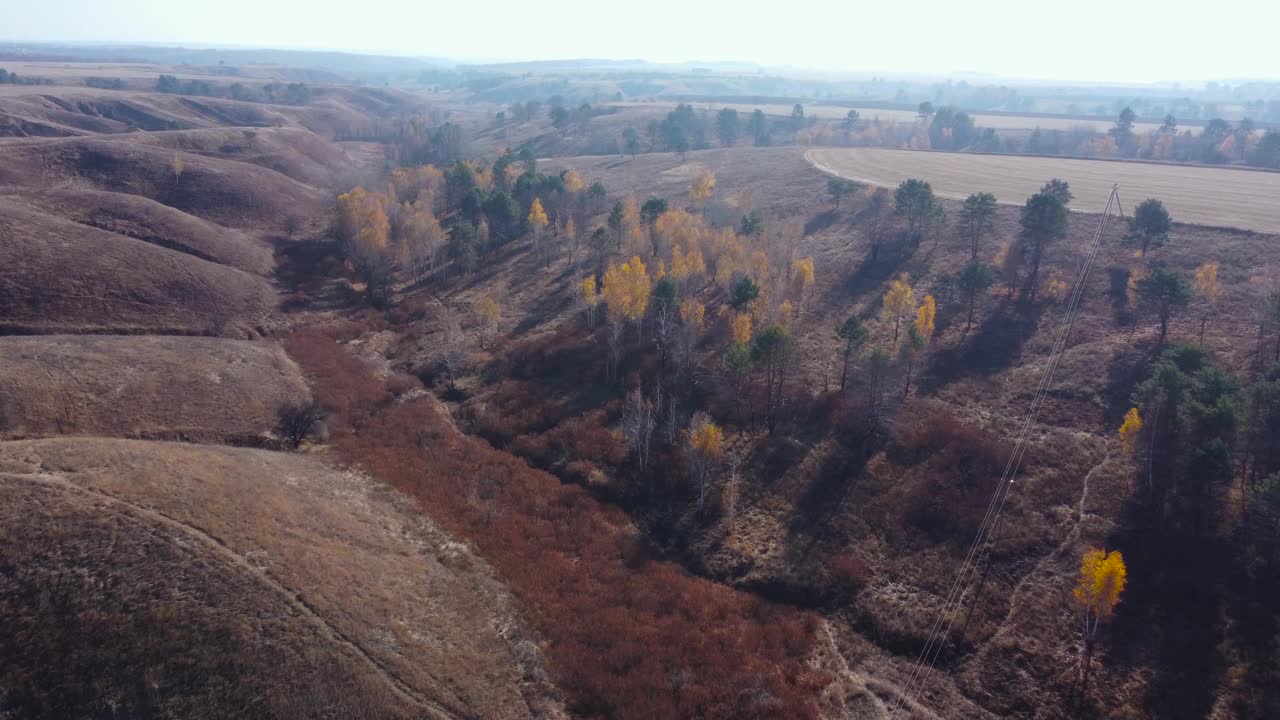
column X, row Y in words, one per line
column 432, row 707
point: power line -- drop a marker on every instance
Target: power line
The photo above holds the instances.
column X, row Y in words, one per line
column 984, row 538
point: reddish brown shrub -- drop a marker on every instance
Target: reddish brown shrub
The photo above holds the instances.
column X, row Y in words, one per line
column 628, row 638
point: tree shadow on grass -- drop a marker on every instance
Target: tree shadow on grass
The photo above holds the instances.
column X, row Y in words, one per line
column 996, row 345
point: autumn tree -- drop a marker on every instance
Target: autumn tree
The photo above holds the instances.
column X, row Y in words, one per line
column 972, row 281
column 915, row 202
column 631, row 231
column 978, row 217
column 538, row 222
column 919, row 336
column 702, row 188
column 1043, row 220
column 898, row 301
column 176, row 165
column 488, row 314
column 626, row 291
column 1102, row 580
column 1129, row 430
column 1165, row 291
column 704, row 447
column 838, row 188
column 588, row 299
column 801, row 278
column 1208, row 289
column 851, row 336
column 1149, row 225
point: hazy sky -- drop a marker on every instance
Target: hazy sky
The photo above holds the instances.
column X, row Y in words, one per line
column 1099, row 40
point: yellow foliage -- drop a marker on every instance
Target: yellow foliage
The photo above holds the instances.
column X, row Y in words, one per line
column 632, row 232
column 488, row 311
column 511, row 174
column 785, row 313
column 626, row 290
column 802, row 272
column 1131, row 289
column 679, row 228
column 898, row 301
column 661, row 272
column 1103, row 577
column 572, row 181
column 925, row 315
column 707, row 439
column 1056, row 289
column 1129, row 430
column 537, row 216
column 1206, row 282
column 740, row 328
column 693, row 314
column 702, row 188
column 587, row 292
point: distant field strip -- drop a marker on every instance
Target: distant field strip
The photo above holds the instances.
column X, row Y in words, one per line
column 1220, row 197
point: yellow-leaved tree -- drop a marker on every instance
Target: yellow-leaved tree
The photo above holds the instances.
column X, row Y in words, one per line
column 1129, row 430
column 631, row 237
column 1208, row 288
column 488, row 314
column 1102, row 580
column 705, row 446
column 740, row 329
column 572, row 181
column 537, row 216
column 801, row 278
column 588, row 298
column 702, row 188
column 626, row 290
column 898, row 301
column 693, row 315
column 921, row 334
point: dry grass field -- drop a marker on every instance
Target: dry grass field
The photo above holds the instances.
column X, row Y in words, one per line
column 61, row 277
column 190, row 388
column 169, row 580
column 1198, row 195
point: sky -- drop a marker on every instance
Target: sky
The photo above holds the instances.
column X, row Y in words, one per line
column 1082, row 40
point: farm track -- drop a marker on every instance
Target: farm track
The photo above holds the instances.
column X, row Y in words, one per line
column 1218, row 197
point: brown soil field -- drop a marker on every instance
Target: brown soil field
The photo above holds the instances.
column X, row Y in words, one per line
column 61, row 276
column 151, row 222
column 1199, row 195
column 189, row 388
column 171, row 580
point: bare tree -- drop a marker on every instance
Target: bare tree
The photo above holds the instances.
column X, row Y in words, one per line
column 637, row 425
column 298, row 421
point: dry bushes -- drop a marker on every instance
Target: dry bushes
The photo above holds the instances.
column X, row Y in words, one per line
column 960, row 468
column 643, row 642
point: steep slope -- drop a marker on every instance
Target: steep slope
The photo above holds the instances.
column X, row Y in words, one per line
column 160, row 580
